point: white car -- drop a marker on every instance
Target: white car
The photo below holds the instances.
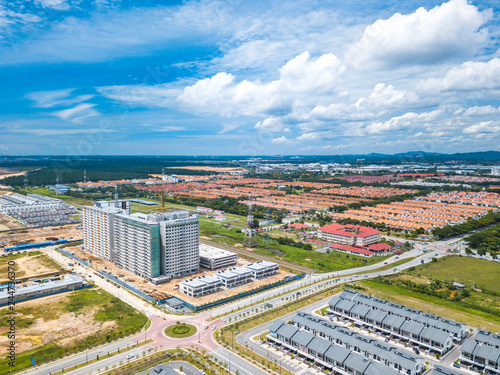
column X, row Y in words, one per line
column 214, row 327
column 130, row 356
column 150, row 348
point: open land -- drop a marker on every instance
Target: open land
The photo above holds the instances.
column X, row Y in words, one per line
column 7, row 223
column 480, row 273
column 171, row 289
column 429, row 288
column 40, row 234
column 29, row 265
column 50, row 330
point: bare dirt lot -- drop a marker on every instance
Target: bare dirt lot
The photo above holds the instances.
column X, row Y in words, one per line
column 40, row 234
column 7, row 223
column 172, row 288
column 29, row 265
column 45, row 322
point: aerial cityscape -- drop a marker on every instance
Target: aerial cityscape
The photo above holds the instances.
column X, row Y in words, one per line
column 250, row 188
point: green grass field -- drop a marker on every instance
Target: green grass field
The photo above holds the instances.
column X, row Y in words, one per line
column 483, row 274
column 89, row 305
column 435, row 305
column 65, row 198
column 334, row 261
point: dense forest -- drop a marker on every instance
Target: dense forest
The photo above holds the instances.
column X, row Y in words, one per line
column 110, row 168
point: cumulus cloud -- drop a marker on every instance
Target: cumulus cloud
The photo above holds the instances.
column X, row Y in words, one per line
column 271, row 124
column 445, row 32
column 480, row 110
column 300, row 80
column 471, row 75
column 483, row 127
column 280, row 140
column 383, row 98
column 402, row 122
column 309, row 137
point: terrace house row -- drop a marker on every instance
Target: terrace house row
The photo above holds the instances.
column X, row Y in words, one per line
column 420, row 328
column 482, row 352
column 332, row 344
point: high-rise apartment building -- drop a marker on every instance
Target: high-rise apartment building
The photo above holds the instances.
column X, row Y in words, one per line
column 98, row 227
column 155, row 246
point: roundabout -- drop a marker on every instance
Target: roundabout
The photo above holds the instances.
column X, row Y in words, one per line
column 180, row 330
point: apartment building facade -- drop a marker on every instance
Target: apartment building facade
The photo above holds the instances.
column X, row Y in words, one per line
column 155, row 246
column 98, row 227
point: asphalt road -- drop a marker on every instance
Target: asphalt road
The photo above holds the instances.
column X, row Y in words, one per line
column 187, row 368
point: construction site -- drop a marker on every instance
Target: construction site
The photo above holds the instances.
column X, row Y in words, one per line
column 36, row 211
column 171, row 289
column 16, row 237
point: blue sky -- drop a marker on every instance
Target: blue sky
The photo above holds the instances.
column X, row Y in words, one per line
column 248, row 78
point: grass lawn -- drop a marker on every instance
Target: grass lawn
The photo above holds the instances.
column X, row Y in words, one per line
column 65, row 198
column 469, row 271
column 179, row 331
column 97, row 313
column 434, row 305
column 334, row 261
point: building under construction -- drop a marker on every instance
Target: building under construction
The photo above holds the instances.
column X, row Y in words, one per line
column 36, row 211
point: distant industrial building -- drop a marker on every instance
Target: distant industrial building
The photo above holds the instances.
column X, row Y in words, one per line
column 349, row 234
column 156, row 247
column 36, row 288
column 213, row 258
column 98, row 227
column 36, row 211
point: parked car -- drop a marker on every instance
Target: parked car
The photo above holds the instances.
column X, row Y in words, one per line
column 130, row 356
column 150, row 348
column 457, row 365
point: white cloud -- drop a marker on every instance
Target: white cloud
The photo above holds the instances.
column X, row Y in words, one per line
column 271, row 124
column 483, row 127
column 170, row 128
column 383, row 98
column 77, row 113
column 301, row 80
column 481, row 111
column 54, row 4
column 424, row 37
column 48, row 99
column 280, row 140
column 308, row 137
column 471, row 75
column 402, row 122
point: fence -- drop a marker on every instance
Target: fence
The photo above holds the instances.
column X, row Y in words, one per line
column 84, row 262
column 51, row 293
column 237, row 296
column 129, row 287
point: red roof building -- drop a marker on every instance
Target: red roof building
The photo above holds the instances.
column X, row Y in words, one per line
column 379, row 247
column 349, row 234
column 351, row 249
column 298, row 226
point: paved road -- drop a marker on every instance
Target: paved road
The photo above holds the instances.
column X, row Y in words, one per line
column 160, row 319
column 187, row 368
column 235, row 362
